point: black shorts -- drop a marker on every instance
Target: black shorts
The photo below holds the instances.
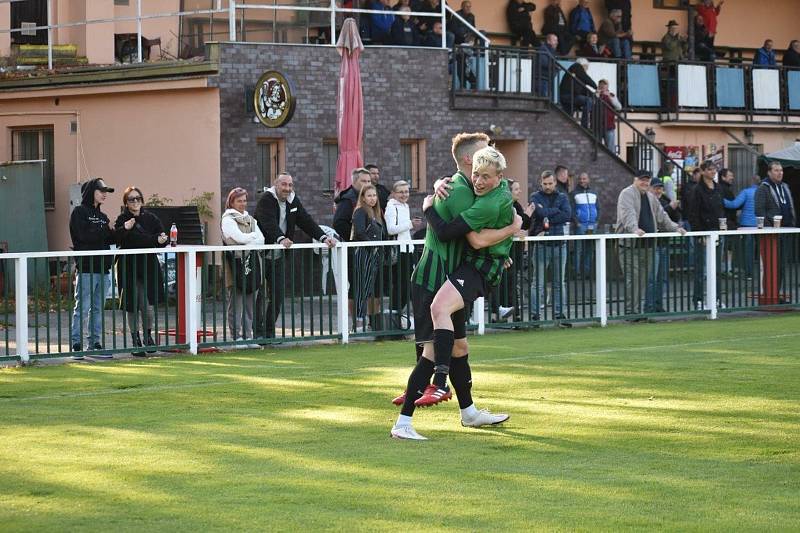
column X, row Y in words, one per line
column 422, row 299
column 470, row 283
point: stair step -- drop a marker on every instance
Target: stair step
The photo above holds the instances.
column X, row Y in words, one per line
column 39, row 50
column 59, row 61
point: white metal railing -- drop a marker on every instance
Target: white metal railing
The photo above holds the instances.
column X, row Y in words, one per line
column 18, row 264
column 231, row 11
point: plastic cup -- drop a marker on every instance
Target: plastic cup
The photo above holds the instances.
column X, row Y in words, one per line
column 776, row 221
column 760, row 222
column 566, row 228
column 723, row 224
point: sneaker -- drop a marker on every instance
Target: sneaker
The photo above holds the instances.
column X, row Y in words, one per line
column 562, row 321
column 504, row 312
column 77, row 348
column 406, row 433
column 98, row 346
column 698, row 306
column 254, row 346
column 400, row 400
column 484, row 418
column 721, row 305
column 433, row 395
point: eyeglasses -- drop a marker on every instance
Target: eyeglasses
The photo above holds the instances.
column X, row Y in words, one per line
column 135, row 199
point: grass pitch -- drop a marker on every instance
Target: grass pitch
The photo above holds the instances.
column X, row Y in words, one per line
column 688, row 425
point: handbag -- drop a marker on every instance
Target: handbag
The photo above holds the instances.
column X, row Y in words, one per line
column 246, row 271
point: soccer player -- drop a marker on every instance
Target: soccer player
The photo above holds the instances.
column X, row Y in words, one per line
column 437, row 261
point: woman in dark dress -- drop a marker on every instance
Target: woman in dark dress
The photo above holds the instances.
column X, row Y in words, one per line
column 139, row 276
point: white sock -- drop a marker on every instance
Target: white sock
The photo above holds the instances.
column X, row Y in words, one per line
column 403, row 420
column 469, row 412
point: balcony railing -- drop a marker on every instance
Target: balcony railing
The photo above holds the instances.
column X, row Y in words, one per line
column 554, row 280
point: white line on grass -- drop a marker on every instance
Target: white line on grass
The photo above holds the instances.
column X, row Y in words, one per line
column 157, row 388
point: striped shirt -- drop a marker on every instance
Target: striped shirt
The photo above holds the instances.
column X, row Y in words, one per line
column 441, row 258
column 493, row 210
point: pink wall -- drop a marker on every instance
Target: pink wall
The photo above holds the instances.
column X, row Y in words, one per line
column 5, row 22
column 161, row 136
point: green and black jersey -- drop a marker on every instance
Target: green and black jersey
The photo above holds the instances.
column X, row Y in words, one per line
column 441, row 258
column 494, row 210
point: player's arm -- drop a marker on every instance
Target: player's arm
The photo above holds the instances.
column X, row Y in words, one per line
column 489, row 237
column 458, row 228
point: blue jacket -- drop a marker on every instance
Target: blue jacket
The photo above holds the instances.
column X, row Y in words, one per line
column 553, row 206
column 383, row 23
column 584, row 206
column 746, row 201
column 581, row 21
column 764, row 58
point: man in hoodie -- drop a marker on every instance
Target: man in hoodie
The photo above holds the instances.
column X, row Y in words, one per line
column 586, row 212
column 551, row 211
column 278, row 213
column 774, row 198
column 90, row 229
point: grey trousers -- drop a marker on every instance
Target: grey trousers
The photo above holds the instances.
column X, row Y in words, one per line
column 240, row 313
column 635, row 262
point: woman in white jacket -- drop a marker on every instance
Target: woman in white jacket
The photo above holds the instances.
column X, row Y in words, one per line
column 242, row 272
column 399, row 225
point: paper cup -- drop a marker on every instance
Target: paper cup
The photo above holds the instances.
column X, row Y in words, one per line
column 776, row 221
column 760, row 222
column 723, row 224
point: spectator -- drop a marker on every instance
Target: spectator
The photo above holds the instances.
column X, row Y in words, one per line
column 375, row 179
column 547, row 55
column 625, row 8
column 550, row 211
column 518, row 16
column 746, row 201
column 658, row 277
column 613, row 36
column 592, row 49
column 609, row 117
column 687, row 195
column 140, row 278
column 586, row 211
column 704, row 214
column 562, row 179
column 458, row 28
column 725, row 180
column 665, row 175
column 703, row 41
column 346, row 203
column 504, row 298
column 243, row 268
column 555, row 22
column 368, row 226
column 90, row 229
column 709, row 13
column 581, row 21
column 381, row 24
column 399, row 226
column 426, row 23
column 640, row 213
column 774, row 198
column 434, row 39
column 673, row 45
column 404, row 32
column 575, row 91
column 791, row 57
column 765, row 56
column 402, row 3
column 278, row 212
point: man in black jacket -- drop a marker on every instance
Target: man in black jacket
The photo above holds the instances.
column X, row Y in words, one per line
column 556, row 22
column 375, row 179
column 706, row 208
column 90, row 229
column 518, row 16
column 346, row 204
column 278, row 213
column 574, row 93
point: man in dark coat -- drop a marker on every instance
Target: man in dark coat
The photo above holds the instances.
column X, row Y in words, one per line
column 706, row 208
column 556, row 22
column 346, row 204
column 278, row 213
column 518, row 16
column 574, row 94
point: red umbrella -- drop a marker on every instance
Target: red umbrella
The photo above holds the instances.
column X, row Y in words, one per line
column 349, row 105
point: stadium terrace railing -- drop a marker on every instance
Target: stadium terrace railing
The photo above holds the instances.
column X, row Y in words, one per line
column 553, row 280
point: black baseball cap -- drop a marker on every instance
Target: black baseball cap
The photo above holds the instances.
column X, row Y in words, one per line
column 643, row 175
column 102, row 187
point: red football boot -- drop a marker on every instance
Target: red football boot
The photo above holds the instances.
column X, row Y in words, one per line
column 400, row 400
column 433, row 395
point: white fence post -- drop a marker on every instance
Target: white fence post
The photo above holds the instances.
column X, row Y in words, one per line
column 479, row 314
column 49, row 35
column 21, row 295
column 343, row 319
column 139, row 31
column 601, row 286
column 333, row 22
column 190, row 302
column 711, row 274
column 232, row 20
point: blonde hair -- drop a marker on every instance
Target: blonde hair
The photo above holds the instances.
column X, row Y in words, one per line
column 489, row 156
column 400, row 183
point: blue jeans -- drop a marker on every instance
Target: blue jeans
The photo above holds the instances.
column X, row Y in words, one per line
column 90, row 290
column 584, row 251
column 657, row 281
column 546, row 255
column 621, row 48
column 610, row 138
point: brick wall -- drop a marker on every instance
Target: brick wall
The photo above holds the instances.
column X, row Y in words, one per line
column 406, row 95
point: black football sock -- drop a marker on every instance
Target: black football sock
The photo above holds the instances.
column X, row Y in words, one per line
column 443, row 340
column 461, row 378
column 420, row 346
column 417, row 381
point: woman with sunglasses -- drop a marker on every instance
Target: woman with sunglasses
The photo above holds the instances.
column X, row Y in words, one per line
column 139, row 276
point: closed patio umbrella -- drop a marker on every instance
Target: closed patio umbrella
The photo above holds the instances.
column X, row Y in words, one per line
column 349, row 105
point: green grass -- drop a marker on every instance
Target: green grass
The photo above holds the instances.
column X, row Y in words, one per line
column 689, row 425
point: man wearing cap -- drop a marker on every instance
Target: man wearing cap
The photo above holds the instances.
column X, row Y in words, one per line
column 639, row 212
column 657, row 278
column 90, row 229
column 673, row 44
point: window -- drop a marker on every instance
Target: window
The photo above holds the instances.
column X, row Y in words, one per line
column 270, row 160
column 122, row 2
column 330, row 156
column 31, row 144
column 412, row 163
column 671, row 4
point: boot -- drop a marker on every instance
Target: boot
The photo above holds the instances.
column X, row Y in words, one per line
column 148, row 341
column 136, row 342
